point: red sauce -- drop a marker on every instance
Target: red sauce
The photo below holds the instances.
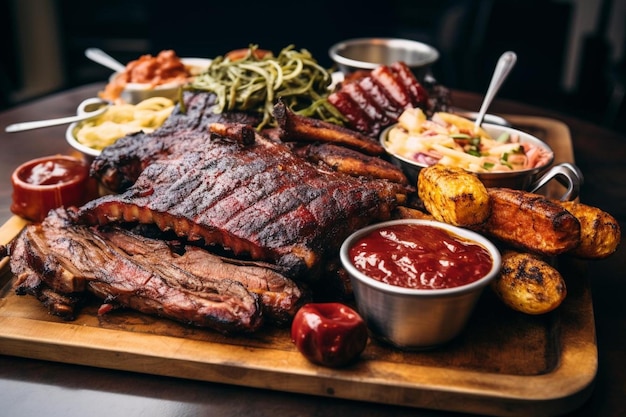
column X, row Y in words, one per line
column 53, row 171
column 46, row 183
column 420, row 257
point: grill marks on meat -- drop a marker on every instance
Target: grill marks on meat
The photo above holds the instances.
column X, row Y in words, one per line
column 295, row 127
column 109, row 273
column 128, row 270
column 351, row 162
column 185, row 130
column 260, row 201
column 531, row 222
column 212, row 179
column 373, row 100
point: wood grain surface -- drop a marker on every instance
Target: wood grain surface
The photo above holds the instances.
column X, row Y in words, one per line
column 503, row 364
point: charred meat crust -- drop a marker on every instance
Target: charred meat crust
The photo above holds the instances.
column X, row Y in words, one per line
column 119, row 166
column 29, row 282
column 372, row 100
column 154, row 287
column 260, row 201
column 129, row 270
column 351, row 162
column 280, row 296
column 300, row 128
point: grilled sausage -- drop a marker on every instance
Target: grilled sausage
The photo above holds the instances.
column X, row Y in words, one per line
column 295, row 127
column 352, row 162
column 453, row 195
column 600, row 232
column 403, row 212
column 531, row 222
column 528, row 284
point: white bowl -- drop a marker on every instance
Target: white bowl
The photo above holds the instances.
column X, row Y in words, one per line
column 70, row 132
column 70, row 137
column 416, row 318
column 134, row 93
column 82, row 110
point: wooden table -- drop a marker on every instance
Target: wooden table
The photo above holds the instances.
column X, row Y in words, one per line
column 33, row 387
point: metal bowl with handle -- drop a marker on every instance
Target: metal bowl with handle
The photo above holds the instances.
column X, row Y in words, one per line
column 529, row 179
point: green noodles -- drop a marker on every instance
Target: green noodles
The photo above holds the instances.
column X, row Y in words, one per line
column 254, row 84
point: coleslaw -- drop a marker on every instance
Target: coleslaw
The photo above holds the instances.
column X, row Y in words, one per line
column 451, row 139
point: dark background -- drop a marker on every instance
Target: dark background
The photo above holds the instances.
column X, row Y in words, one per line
column 470, row 34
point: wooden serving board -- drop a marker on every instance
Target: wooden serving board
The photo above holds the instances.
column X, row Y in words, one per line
column 504, row 363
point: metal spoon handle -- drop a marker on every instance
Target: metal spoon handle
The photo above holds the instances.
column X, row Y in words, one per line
column 102, row 58
column 18, row 127
column 84, row 112
column 503, row 67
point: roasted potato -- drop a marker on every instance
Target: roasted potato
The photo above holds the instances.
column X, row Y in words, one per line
column 528, row 284
column 453, row 195
column 600, row 232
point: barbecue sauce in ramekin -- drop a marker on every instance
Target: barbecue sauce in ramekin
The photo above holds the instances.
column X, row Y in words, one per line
column 420, row 257
column 43, row 184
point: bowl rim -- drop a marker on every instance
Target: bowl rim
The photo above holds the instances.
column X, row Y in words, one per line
column 525, row 136
column 423, row 293
column 74, row 143
column 334, row 51
column 17, row 180
column 188, row 62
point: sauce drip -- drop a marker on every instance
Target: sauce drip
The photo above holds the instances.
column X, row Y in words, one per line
column 420, row 257
column 53, row 172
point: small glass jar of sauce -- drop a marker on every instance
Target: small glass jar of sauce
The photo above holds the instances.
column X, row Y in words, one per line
column 46, row 183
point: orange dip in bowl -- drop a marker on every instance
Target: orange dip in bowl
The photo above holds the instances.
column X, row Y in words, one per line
column 152, row 71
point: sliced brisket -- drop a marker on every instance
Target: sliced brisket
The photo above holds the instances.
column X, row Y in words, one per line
column 59, row 261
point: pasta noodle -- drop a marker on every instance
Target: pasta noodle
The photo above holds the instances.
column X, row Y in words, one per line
column 253, row 82
column 123, row 119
